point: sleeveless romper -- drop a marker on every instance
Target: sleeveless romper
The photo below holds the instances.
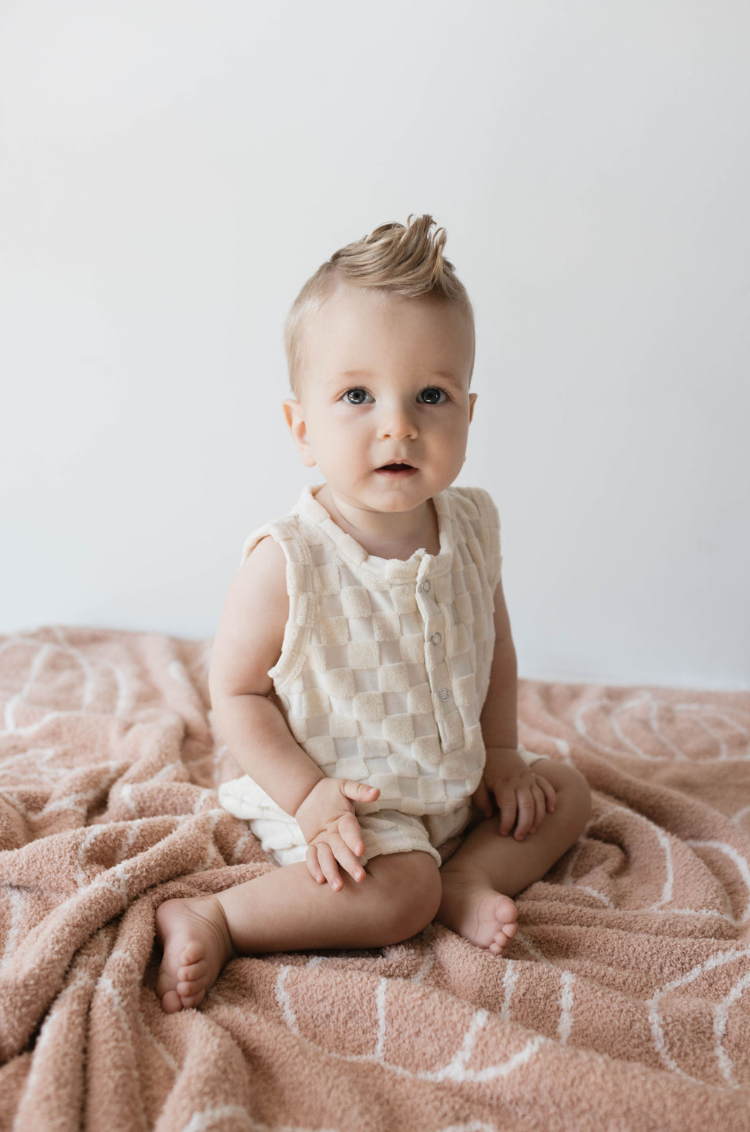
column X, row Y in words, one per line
column 383, row 673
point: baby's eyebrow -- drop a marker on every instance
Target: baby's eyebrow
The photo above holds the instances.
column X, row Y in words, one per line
column 353, row 373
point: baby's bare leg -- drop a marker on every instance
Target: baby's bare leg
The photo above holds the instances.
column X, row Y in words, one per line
column 286, row 910
column 488, row 869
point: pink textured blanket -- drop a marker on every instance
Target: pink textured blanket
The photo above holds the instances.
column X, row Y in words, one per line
column 624, row 1003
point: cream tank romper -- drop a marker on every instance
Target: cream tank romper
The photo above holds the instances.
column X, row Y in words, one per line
column 383, row 673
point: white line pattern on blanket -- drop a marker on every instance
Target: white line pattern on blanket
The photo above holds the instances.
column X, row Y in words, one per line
column 624, row 1003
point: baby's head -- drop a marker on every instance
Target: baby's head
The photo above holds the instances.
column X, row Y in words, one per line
column 394, row 260
column 380, row 346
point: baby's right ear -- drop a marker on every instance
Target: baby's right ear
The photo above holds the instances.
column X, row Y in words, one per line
column 295, row 420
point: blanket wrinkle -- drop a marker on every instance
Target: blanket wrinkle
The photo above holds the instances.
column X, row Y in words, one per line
column 624, row 1001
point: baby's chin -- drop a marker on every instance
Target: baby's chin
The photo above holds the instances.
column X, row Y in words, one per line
column 385, row 490
column 386, row 493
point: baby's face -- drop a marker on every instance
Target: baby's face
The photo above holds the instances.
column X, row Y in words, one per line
column 387, row 381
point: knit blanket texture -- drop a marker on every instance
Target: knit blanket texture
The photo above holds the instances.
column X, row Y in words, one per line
column 623, row 1002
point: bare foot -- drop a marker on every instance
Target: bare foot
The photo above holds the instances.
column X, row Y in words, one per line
column 471, row 907
column 196, row 943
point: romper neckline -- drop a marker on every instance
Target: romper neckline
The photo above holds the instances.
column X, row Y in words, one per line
column 392, row 569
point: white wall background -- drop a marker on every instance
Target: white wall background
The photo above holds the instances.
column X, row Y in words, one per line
column 173, row 170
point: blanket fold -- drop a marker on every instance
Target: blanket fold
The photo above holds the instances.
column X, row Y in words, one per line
column 624, row 1002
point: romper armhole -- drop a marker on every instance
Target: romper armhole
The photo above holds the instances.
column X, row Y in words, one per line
column 300, row 588
column 490, row 534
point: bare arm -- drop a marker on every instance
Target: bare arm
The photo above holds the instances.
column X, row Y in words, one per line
column 248, row 642
column 521, row 795
column 498, row 719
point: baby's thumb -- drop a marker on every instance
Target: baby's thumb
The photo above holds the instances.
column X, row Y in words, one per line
column 360, row 791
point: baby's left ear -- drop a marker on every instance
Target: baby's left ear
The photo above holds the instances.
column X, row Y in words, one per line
column 472, row 402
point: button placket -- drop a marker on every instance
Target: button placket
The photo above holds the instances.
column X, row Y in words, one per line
column 434, row 646
column 445, row 708
column 433, row 625
column 437, row 669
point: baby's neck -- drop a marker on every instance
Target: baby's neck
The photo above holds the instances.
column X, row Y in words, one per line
column 385, row 534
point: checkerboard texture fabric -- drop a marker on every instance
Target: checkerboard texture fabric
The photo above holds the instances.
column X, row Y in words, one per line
column 385, row 663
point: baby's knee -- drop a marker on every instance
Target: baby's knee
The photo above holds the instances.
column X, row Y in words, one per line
column 574, row 799
column 414, row 891
column 420, row 894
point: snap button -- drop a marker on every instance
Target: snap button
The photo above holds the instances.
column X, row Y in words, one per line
column 436, row 638
column 444, row 694
column 425, row 586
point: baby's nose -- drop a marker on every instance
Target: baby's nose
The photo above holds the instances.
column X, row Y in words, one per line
column 398, row 422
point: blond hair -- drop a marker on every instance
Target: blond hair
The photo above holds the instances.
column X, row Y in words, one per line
column 397, row 259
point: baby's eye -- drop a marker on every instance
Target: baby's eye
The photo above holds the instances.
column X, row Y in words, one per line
column 356, row 396
column 434, row 395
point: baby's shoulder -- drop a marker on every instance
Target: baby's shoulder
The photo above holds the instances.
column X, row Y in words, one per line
column 259, row 586
column 264, row 565
column 251, row 630
column 285, row 535
column 474, row 503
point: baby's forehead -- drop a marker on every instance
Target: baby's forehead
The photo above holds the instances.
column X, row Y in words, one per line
column 437, row 344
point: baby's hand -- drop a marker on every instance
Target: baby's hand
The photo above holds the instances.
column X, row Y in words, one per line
column 522, row 796
column 326, row 818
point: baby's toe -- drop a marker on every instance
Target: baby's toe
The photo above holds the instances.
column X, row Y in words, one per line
column 503, row 939
column 191, row 1000
column 193, row 971
column 171, row 1002
column 186, row 987
column 506, row 911
column 192, row 952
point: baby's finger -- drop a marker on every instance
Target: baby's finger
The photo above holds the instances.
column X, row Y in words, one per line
column 329, row 866
column 311, row 860
column 508, row 810
column 359, row 791
column 526, row 811
column 351, row 834
column 539, row 810
column 348, row 861
column 549, row 792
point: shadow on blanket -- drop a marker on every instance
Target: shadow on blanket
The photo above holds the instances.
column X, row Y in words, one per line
column 624, row 1003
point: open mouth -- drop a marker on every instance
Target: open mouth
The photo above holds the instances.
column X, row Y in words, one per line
column 397, row 469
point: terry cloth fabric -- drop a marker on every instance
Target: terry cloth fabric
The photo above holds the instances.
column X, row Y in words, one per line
column 623, row 1002
column 384, row 669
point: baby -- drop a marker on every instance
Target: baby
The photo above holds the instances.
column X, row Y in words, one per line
column 363, row 673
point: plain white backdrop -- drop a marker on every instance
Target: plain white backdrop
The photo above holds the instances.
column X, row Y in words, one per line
column 172, row 172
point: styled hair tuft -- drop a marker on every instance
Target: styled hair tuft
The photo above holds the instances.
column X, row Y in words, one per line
column 397, row 259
